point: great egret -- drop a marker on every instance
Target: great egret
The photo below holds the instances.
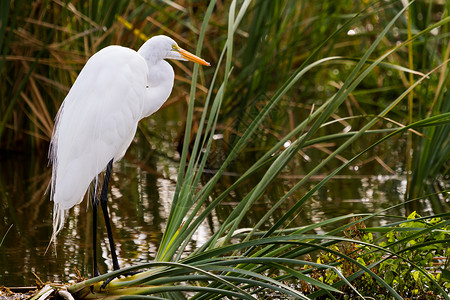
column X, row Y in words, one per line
column 98, row 120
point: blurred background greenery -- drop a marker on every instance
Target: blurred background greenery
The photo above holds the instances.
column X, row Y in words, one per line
column 44, row 44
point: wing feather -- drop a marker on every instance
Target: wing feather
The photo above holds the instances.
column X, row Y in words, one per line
column 96, row 123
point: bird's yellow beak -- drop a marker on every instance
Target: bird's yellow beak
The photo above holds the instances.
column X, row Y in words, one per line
column 191, row 57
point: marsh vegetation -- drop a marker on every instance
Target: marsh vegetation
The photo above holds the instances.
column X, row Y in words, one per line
column 311, row 160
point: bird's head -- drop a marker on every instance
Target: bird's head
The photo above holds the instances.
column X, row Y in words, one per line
column 163, row 47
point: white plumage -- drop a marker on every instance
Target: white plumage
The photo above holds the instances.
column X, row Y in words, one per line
column 99, row 116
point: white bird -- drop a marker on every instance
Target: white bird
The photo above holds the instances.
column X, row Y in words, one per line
column 98, row 119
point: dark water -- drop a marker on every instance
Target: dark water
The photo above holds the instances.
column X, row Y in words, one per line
column 143, row 184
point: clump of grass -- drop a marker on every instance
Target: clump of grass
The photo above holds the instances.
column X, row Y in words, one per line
column 428, row 165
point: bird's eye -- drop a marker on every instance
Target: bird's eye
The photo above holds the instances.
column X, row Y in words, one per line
column 174, row 47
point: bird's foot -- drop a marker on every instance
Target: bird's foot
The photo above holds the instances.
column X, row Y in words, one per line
column 107, row 281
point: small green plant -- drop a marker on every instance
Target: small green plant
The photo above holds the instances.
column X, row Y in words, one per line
column 413, row 258
column 429, row 253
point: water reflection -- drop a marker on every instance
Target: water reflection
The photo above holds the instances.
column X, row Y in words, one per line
column 142, row 188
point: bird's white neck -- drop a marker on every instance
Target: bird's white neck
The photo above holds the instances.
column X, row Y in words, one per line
column 160, row 79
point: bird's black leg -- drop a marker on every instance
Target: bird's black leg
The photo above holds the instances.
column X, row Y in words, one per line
column 104, row 204
column 94, row 201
